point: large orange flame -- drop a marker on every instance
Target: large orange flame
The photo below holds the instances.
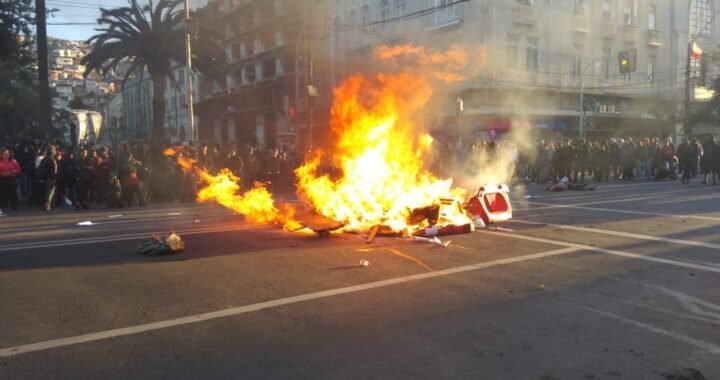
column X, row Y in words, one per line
column 381, row 152
column 256, row 205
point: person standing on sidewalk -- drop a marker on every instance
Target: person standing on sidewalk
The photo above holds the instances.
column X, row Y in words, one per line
column 47, row 175
column 9, row 171
column 102, row 169
column 85, row 178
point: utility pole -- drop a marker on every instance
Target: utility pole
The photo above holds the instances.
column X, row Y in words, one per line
column 311, row 76
column 188, row 68
column 686, row 121
column 42, row 54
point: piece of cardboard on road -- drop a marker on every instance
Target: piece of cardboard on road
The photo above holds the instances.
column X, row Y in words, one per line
column 319, row 224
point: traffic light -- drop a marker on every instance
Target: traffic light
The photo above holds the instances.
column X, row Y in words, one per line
column 624, row 62
column 627, row 61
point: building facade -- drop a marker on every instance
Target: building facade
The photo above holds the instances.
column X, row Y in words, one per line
column 275, row 59
column 539, row 56
column 137, row 107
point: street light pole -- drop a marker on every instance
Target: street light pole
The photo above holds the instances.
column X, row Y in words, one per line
column 188, row 67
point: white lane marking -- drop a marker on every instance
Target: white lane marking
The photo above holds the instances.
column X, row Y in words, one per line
column 667, row 311
column 691, row 303
column 39, row 346
column 692, row 243
column 701, row 344
column 597, row 202
column 631, row 212
column 91, row 240
column 127, row 219
column 609, row 251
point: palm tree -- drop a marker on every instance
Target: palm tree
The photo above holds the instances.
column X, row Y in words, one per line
column 150, row 37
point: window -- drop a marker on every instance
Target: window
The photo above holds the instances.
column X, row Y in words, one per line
column 606, row 9
column 242, row 50
column 652, row 11
column 384, row 11
column 579, row 7
column 258, row 46
column 651, row 69
column 446, row 11
column 399, row 8
column 577, row 65
column 700, row 18
column 512, row 50
column 606, row 62
column 524, row 2
column 628, row 13
column 365, row 14
column 695, row 67
column 532, row 53
column 352, row 18
column 279, row 38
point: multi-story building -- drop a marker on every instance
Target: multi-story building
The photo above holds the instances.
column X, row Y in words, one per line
column 176, row 106
column 539, row 56
column 137, row 107
column 272, row 47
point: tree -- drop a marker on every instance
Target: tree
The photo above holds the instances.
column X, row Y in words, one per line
column 18, row 100
column 151, row 37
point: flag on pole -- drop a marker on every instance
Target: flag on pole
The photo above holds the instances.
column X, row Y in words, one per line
column 696, row 51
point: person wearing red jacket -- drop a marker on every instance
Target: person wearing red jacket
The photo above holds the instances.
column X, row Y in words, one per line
column 9, row 171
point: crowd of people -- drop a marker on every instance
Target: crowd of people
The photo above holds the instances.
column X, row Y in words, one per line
column 51, row 175
column 599, row 159
column 624, row 159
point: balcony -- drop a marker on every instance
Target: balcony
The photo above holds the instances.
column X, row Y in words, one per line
column 608, row 29
column 524, row 14
column 580, row 24
column 655, row 38
column 630, row 33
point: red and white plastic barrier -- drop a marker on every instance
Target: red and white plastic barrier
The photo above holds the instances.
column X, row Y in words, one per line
column 491, row 204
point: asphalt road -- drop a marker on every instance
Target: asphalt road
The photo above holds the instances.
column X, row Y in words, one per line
column 618, row 283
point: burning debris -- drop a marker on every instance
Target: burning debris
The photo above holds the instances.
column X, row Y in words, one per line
column 384, row 186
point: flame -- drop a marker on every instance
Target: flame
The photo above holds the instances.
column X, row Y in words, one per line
column 256, row 205
column 381, row 152
column 444, row 66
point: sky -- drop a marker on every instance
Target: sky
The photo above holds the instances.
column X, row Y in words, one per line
column 77, row 19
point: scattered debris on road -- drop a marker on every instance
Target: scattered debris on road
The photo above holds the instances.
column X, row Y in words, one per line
column 433, row 240
column 364, row 263
column 156, row 245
